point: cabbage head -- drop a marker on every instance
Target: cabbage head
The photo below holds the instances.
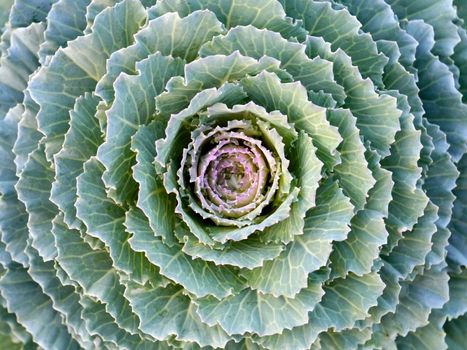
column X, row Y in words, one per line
column 233, row 174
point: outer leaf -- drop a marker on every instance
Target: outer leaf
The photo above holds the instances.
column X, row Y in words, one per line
column 133, row 106
column 460, row 56
column 438, row 91
column 212, row 71
column 104, row 220
column 25, row 12
column 377, row 115
column 13, row 217
column 414, row 245
column 288, row 274
column 81, row 142
column 34, row 310
column 27, row 134
column 182, row 41
column 429, row 337
column 99, row 322
column 262, row 314
column 455, row 333
column 353, row 172
column 248, row 254
column 65, row 21
column 80, row 262
column 84, row 63
column 345, row 301
column 33, row 189
column 378, row 19
column 457, row 304
column 418, row 297
column 457, row 249
column 165, row 311
column 18, row 63
column 199, row 277
column 315, row 74
column 347, row 339
column 64, row 298
column 439, row 14
column 259, row 13
column 358, row 252
column 343, row 31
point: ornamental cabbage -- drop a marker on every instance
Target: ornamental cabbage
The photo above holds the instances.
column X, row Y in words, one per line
column 233, row 174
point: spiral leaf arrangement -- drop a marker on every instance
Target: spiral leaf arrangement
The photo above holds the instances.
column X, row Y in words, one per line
column 238, row 174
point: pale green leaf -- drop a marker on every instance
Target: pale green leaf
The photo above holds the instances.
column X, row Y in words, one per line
column 199, row 277
column 77, row 68
column 81, row 142
column 326, row 222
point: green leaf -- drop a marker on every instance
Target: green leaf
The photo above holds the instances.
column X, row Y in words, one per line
column 13, row 329
column 328, row 221
column 5, row 6
column 248, row 254
column 457, row 304
column 353, row 173
column 77, row 68
column 415, row 244
column 357, row 253
column 417, row 298
column 33, row 189
column 175, row 138
column 377, row 115
column 455, row 333
column 439, row 14
column 99, row 322
column 166, row 311
column 157, row 205
column 315, row 74
column 95, row 8
column 342, row 30
column 80, row 262
column 405, row 151
column 307, row 170
column 429, row 337
column 81, row 142
column 291, row 99
column 345, row 301
column 212, row 71
column 19, row 62
column 402, row 215
column 263, row 314
column 460, row 57
column 259, row 13
column 104, row 220
column 199, row 277
column 64, row 298
column 25, row 12
column 66, row 21
column 439, row 183
column 438, row 91
column 457, row 249
column 27, row 134
column 183, row 41
column 377, row 18
column 34, row 310
column 347, row 339
column 133, row 106
column 13, row 216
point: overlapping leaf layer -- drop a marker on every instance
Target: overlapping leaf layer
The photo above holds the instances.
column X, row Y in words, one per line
column 238, row 174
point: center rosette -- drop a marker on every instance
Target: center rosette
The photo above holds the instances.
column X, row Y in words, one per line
column 232, row 172
column 236, row 170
